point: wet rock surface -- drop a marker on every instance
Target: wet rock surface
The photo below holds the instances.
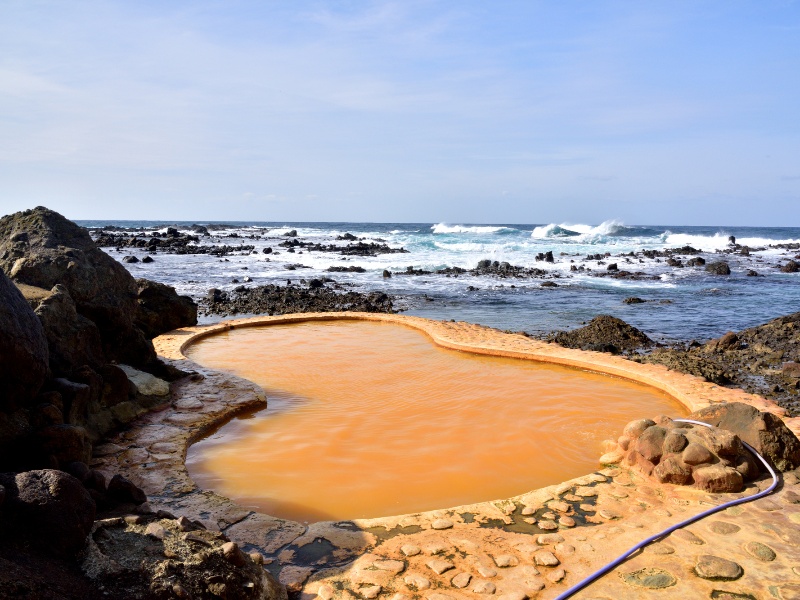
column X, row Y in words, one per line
column 759, row 360
column 604, row 334
column 277, row 300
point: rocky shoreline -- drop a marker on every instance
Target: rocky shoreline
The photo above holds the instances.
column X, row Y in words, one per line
column 94, row 423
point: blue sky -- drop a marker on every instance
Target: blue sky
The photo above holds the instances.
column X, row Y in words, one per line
column 520, row 112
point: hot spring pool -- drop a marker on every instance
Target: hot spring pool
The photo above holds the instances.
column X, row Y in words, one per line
column 370, row 419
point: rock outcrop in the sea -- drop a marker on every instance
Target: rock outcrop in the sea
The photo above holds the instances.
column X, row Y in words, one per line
column 713, row 460
column 143, row 557
column 604, row 334
column 278, row 300
column 758, row 360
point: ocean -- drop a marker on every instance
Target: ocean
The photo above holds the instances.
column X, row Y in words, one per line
column 682, row 303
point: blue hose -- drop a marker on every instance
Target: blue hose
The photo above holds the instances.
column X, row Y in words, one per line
column 623, row 557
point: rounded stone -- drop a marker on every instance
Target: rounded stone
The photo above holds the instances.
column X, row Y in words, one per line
column 650, row 578
column 410, row 550
column 506, row 560
column 696, row 454
column 715, row 568
column 760, row 551
column 461, row 580
column 442, row 524
column 717, row 478
column 675, row 442
column 636, row 428
column 724, row 528
column 547, row 525
column 417, row 582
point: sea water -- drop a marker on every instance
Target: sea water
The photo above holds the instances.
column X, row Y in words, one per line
column 682, row 303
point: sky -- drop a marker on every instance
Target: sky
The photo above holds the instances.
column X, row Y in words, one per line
column 680, row 112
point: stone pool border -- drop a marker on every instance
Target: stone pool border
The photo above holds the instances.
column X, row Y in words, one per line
column 152, row 453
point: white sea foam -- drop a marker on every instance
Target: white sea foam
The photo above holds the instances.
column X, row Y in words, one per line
column 578, row 232
column 479, row 229
column 719, row 241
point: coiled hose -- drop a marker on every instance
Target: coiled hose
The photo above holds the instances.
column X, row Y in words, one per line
column 623, row 557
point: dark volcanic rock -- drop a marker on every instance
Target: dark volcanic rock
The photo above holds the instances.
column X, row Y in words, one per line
column 764, row 431
column 605, row 334
column 23, row 349
column 73, row 339
column 161, row 309
column 752, row 359
column 791, row 267
column 41, row 248
column 718, row 268
column 51, row 509
column 130, row 560
column 278, row 300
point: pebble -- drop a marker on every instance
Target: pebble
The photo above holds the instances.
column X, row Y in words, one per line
column 410, row 550
column 549, row 538
column 547, row 525
column 556, row 575
column 661, row 549
column 325, row 592
column 587, row 508
column 724, row 528
column 565, row 549
column 393, row 566
column 371, row 592
column 442, row 524
column 484, row 587
column 155, row 530
column 506, row 560
column 717, row 569
column 184, row 524
column 487, row 572
column 565, row 521
column 134, row 519
column 439, row 566
column 650, row 578
column 436, row 549
column 585, row 492
column 687, row 536
column 461, row 580
column 416, row 581
column 546, row 559
column 760, row 551
column 608, row 514
column 560, row 506
column 528, row 510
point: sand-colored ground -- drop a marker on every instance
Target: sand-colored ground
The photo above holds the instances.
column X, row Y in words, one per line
column 537, row 544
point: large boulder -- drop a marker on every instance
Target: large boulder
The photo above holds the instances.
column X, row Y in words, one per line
column 169, row 558
column 764, row 431
column 161, row 309
column 604, row 334
column 50, row 509
column 711, row 459
column 73, row 339
column 41, row 248
column 23, row 349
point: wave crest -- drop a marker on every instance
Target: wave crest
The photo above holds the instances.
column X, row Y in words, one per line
column 444, row 228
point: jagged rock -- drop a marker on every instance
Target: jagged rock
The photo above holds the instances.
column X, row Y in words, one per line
column 146, row 384
column 604, row 333
column 50, row 509
column 765, row 432
column 23, row 349
column 791, row 267
column 161, row 309
column 201, row 564
column 73, row 340
column 718, row 268
column 123, row 490
column 41, row 248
